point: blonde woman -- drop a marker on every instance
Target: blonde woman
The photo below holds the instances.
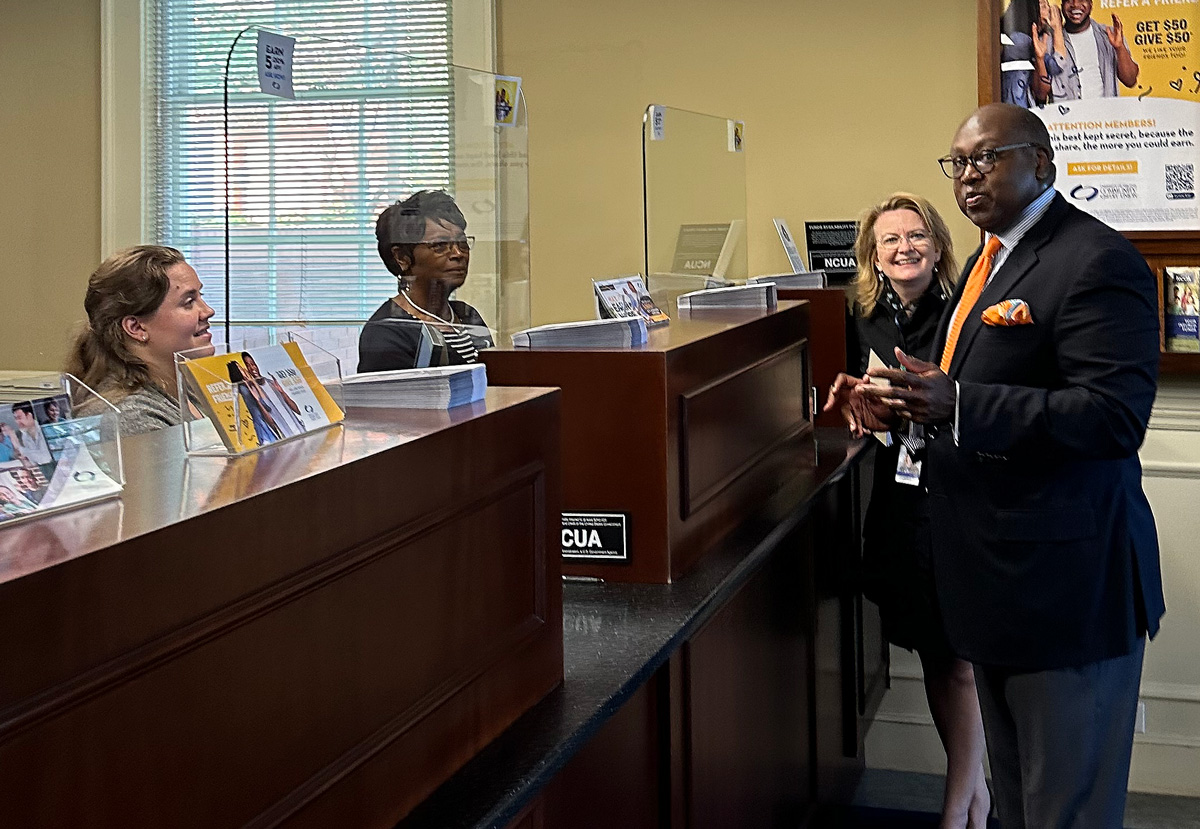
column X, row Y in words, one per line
column 906, row 272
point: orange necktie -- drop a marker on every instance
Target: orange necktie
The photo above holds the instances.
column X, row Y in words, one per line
column 975, row 282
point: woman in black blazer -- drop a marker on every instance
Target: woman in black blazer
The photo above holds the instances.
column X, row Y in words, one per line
column 906, row 270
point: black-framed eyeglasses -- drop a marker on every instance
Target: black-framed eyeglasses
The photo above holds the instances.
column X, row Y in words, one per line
column 984, row 161
column 442, row 246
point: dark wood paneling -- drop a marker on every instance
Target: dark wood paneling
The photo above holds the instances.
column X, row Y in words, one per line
column 531, row 817
column 748, row 702
column 987, row 41
column 321, row 647
column 827, row 342
column 622, row 421
column 617, row 778
column 839, row 685
column 726, row 430
column 724, row 732
column 614, row 421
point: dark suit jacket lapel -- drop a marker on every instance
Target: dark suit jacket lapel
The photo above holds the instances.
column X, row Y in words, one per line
column 1018, row 265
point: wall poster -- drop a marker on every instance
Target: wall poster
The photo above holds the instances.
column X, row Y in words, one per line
column 1118, row 84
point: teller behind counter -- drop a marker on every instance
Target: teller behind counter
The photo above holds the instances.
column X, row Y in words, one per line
column 423, row 243
column 143, row 304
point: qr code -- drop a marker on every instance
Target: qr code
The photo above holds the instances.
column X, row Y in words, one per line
column 1181, row 178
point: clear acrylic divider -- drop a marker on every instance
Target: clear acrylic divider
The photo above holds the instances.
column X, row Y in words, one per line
column 307, row 178
column 694, row 181
column 665, row 288
column 243, row 400
column 60, row 446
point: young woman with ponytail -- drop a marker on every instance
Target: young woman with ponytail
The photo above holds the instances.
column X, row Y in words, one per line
column 143, row 304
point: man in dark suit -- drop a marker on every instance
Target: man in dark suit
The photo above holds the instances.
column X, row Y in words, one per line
column 1045, row 551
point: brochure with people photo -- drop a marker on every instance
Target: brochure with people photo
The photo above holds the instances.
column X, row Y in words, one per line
column 259, row 397
column 44, row 460
column 626, row 297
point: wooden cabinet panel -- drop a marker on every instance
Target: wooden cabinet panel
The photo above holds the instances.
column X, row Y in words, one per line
column 321, row 648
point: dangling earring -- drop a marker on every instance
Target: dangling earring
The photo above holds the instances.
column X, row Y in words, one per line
column 402, row 283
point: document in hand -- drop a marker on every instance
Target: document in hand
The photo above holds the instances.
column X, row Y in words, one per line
column 442, row 387
column 618, row 333
column 764, row 297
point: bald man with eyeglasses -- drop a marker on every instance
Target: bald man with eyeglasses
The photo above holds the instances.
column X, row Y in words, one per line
column 1045, row 550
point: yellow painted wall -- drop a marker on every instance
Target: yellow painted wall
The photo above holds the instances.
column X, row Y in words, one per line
column 844, row 102
column 50, row 166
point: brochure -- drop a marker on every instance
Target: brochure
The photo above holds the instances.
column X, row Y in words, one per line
column 1181, row 307
column 626, row 297
column 616, row 333
column 277, row 394
column 44, row 460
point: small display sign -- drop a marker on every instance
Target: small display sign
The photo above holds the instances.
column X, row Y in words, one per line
column 508, row 93
column 658, row 122
column 831, row 249
column 595, row 536
column 275, row 64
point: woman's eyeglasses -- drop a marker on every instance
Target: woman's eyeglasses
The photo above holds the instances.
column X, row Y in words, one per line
column 442, row 246
column 917, row 238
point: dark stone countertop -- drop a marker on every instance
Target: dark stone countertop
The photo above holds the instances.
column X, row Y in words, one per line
column 615, row 637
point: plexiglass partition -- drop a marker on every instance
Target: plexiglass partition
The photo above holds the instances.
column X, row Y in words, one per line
column 694, row 175
column 305, row 178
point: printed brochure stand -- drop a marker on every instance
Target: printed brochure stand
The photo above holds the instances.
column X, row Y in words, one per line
column 60, row 446
column 243, row 400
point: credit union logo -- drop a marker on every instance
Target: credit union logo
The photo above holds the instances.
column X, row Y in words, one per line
column 1084, row 192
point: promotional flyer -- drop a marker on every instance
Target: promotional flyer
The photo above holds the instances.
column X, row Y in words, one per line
column 1117, row 83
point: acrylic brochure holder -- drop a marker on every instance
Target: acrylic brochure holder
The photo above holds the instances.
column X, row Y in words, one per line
column 60, row 446
column 244, row 400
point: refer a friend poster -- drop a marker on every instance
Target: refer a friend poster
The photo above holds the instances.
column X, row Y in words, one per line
column 1118, row 84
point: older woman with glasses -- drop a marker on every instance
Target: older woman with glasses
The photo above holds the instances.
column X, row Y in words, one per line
column 423, row 243
column 906, row 269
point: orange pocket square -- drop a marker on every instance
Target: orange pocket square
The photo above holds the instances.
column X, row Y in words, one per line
column 1008, row 312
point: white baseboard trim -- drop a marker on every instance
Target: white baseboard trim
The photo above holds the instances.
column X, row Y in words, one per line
column 1159, row 691
column 1171, row 691
column 1171, row 469
column 904, row 719
column 925, row 721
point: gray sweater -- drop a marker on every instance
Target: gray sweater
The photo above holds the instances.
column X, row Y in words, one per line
column 145, row 410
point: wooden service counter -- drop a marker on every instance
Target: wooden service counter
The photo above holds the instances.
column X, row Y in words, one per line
column 735, row 697
column 686, row 435
column 317, row 634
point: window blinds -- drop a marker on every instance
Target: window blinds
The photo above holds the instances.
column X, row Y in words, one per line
column 371, row 123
